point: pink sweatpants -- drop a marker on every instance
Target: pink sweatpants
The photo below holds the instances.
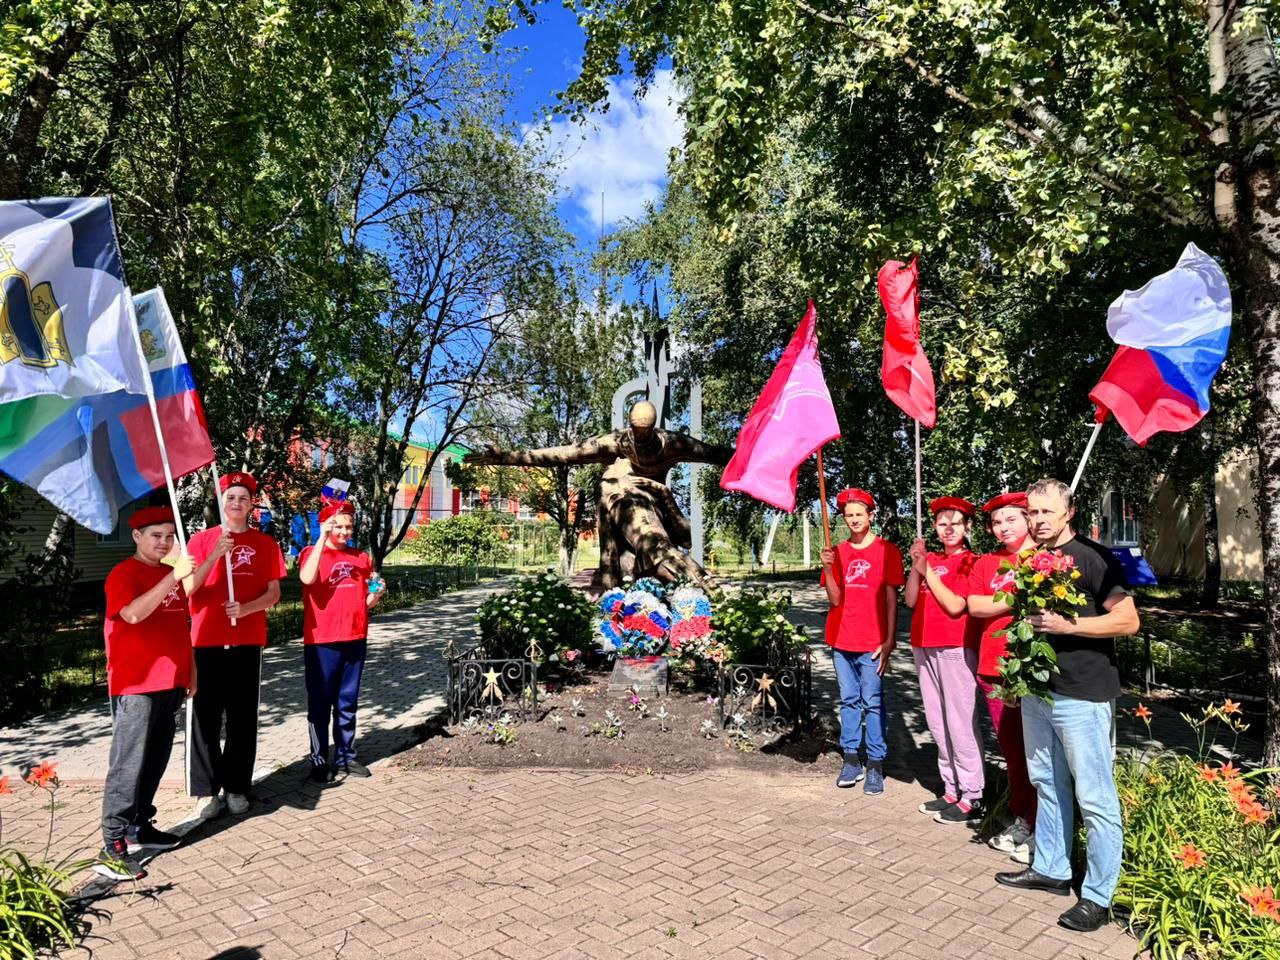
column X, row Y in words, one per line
column 948, row 686
column 1007, row 721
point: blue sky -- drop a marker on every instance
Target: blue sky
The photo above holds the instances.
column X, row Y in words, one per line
column 622, row 153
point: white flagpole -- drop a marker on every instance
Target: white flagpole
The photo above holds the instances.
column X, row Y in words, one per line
column 155, row 421
column 1088, row 449
column 919, row 488
column 222, row 519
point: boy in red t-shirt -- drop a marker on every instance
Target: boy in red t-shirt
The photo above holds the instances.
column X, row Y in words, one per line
column 1007, row 522
column 862, row 577
column 149, row 670
column 229, row 636
column 339, row 588
column 946, row 656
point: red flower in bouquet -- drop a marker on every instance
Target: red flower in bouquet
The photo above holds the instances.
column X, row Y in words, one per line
column 1043, row 582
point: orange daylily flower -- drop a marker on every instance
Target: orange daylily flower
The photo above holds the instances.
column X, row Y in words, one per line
column 1262, row 901
column 1229, row 707
column 1253, row 812
column 1190, row 856
column 1275, row 791
column 1141, row 712
column 1207, row 773
column 42, row 775
column 4, row 786
column 1229, row 771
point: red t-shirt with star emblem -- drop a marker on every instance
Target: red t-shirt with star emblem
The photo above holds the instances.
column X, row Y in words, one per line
column 156, row 653
column 984, row 580
column 858, row 623
column 256, row 560
column 333, row 606
column 931, row 626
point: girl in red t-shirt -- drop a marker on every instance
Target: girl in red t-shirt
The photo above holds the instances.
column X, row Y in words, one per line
column 862, row 576
column 946, row 658
column 339, row 588
column 1007, row 521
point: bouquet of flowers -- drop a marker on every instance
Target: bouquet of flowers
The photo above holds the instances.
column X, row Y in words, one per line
column 1043, row 582
column 648, row 619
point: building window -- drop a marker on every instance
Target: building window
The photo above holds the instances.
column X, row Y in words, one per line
column 1120, row 522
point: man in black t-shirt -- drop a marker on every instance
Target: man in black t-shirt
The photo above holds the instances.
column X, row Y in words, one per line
column 1070, row 742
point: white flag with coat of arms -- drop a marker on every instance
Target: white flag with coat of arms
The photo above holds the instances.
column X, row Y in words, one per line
column 65, row 320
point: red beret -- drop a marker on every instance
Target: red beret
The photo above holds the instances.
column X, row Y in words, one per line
column 952, row 503
column 238, row 479
column 149, row 516
column 336, row 507
column 854, row 495
column 1017, row 498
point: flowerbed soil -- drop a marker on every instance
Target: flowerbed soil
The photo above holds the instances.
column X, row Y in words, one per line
column 645, row 747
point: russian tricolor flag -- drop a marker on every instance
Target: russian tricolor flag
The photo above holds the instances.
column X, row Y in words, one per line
column 1172, row 336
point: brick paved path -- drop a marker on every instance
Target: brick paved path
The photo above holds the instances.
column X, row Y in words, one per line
column 537, row 864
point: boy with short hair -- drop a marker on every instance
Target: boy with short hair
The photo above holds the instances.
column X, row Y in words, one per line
column 150, row 667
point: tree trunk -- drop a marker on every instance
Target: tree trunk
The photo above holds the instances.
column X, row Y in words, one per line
column 23, row 145
column 1212, row 553
column 1254, row 79
column 568, row 550
column 1262, row 330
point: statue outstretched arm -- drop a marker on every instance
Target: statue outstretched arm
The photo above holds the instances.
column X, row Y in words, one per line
column 692, row 450
column 596, row 450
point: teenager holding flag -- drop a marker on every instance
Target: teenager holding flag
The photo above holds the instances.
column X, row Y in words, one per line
column 862, row 577
column 946, row 659
column 150, row 668
column 229, row 636
column 1006, row 518
column 339, row 588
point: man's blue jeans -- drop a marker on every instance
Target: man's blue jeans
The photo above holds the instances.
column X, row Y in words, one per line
column 861, row 698
column 1072, row 740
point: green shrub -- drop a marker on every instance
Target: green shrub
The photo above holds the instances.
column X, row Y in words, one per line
column 544, row 608
column 1201, row 851
column 462, row 540
column 752, row 626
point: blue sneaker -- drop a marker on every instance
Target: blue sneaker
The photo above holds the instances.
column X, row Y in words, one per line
column 850, row 773
column 875, row 781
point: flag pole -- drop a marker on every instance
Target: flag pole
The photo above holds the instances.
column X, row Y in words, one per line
column 822, row 498
column 155, row 422
column 919, row 488
column 1088, row 449
column 222, row 520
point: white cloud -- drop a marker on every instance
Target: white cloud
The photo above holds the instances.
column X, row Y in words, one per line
column 622, row 153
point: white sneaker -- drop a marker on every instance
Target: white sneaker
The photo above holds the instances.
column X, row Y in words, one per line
column 1024, row 853
column 1013, row 836
column 207, row 808
column 237, row 803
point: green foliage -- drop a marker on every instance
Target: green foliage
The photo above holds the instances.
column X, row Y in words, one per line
column 1192, row 859
column 34, row 915
column 752, row 626
column 544, row 609
column 467, row 538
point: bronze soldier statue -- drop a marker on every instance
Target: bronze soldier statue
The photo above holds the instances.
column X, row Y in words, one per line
column 640, row 526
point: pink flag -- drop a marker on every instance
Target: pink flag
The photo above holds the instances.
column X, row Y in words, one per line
column 904, row 371
column 793, row 418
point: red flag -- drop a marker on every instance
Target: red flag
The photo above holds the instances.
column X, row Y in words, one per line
column 904, row 371
column 793, row 417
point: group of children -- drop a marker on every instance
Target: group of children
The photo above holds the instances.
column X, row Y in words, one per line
column 192, row 625
column 957, row 642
